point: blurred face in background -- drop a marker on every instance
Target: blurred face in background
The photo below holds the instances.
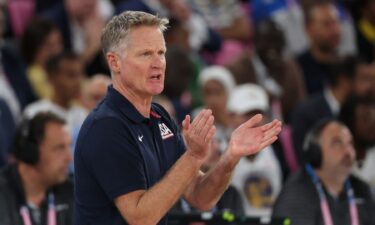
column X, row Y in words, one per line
column 364, row 80
column 94, row 90
column 51, row 46
column 365, row 124
column 55, row 154
column 270, row 42
column 324, row 29
column 215, row 96
column 68, row 79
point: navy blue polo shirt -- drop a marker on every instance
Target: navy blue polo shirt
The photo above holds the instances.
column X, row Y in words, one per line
column 119, row 151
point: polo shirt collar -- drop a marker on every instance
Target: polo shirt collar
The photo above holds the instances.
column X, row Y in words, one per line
column 126, row 107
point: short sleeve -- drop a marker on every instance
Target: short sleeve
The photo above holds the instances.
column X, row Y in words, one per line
column 114, row 158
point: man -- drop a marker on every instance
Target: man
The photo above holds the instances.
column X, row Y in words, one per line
column 94, row 90
column 80, row 23
column 65, row 73
column 324, row 32
column 342, row 76
column 257, row 177
column 15, row 88
column 324, row 192
column 131, row 163
column 268, row 67
column 34, row 189
column 359, row 115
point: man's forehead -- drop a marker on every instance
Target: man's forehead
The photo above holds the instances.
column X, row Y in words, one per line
column 335, row 130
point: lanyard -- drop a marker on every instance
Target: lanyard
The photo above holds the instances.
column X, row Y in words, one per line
column 323, row 200
column 51, row 214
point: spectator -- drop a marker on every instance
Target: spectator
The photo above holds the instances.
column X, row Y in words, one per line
column 94, row 90
column 289, row 16
column 364, row 80
column 80, row 23
column 268, row 67
column 179, row 75
column 359, row 115
column 15, row 88
column 229, row 20
column 216, row 83
column 40, row 41
column 65, row 72
column 323, row 191
column 258, row 177
column 35, row 189
column 325, row 104
column 324, row 32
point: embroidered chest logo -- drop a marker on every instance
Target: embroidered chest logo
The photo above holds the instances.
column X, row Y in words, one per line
column 165, row 131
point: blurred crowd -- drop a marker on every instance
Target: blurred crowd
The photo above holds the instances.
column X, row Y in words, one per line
column 299, row 61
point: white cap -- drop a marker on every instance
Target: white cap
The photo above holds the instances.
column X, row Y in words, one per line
column 246, row 98
column 218, row 73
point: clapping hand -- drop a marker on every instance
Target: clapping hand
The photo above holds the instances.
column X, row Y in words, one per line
column 199, row 134
column 249, row 138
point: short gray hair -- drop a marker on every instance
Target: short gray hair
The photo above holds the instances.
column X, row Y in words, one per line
column 117, row 29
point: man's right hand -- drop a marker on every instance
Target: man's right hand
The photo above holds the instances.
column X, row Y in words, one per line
column 199, row 134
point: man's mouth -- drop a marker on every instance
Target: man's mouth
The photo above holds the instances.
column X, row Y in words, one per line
column 156, row 77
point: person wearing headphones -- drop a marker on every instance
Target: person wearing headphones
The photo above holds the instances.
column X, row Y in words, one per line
column 324, row 192
column 34, row 190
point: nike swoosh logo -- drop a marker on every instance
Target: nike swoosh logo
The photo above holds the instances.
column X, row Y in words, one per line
column 140, row 138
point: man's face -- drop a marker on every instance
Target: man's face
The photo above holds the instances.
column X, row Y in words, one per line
column 67, row 80
column 324, row 28
column 337, row 149
column 365, row 124
column 53, row 45
column 142, row 62
column 94, row 91
column 55, row 154
column 364, row 80
column 215, row 96
column 269, row 46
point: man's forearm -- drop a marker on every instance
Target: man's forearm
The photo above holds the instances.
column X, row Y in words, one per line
column 154, row 203
column 206, row 192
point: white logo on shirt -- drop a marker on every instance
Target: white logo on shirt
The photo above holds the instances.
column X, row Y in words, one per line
column 140, row 137
column 165, row 131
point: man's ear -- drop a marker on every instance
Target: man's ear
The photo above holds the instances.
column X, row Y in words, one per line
column 113, row 62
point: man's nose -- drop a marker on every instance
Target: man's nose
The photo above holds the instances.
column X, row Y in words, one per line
column 158, row 61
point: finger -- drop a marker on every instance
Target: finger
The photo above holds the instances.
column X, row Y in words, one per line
column 186, row 123
column 197, row 119
column 253, row 121
column 210, row 135
column 267, row 142
column 202, row 122
column 206, row 127
column 274, row 131
column 270, row 125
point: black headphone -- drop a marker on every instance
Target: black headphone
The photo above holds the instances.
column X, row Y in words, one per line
column 25, row 147
column 311, row 147
column 30, row 134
